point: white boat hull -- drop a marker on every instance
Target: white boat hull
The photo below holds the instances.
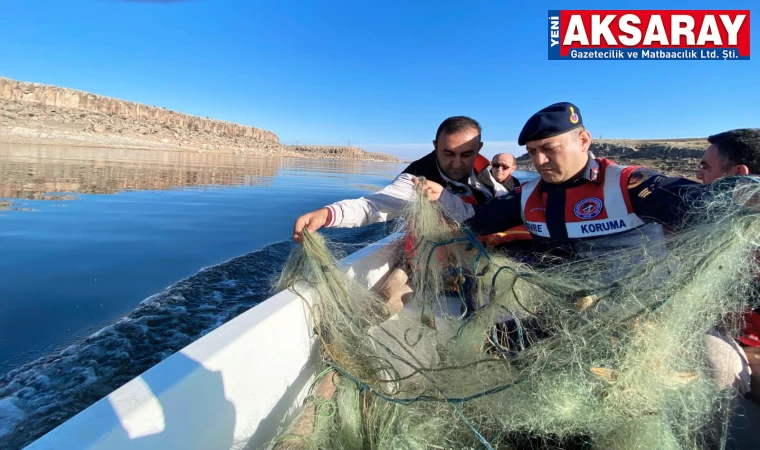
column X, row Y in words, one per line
column 232, row 388
column 236, row 387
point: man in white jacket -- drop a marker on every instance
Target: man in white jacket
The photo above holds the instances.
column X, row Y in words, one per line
column 455, row 163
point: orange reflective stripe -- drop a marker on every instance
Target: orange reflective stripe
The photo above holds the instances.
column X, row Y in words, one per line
column 518, row 233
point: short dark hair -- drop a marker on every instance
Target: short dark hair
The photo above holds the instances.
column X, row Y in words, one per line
column 740, row 146
column 456, row 124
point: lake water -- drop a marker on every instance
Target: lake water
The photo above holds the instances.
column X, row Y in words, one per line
column 112, row 260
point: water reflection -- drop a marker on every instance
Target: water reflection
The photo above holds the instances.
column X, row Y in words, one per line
column 103, row 262
column 39, row 172
column 139, row 221
column 339, row 167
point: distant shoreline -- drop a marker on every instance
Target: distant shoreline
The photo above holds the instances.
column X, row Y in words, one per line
column 344, row 153
column 38, row 114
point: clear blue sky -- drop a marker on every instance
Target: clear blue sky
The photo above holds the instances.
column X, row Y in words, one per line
column 326, row 72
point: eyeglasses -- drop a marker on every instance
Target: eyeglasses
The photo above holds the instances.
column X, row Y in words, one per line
column 503, row 166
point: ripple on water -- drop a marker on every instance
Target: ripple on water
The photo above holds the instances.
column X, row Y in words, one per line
column 38, row 396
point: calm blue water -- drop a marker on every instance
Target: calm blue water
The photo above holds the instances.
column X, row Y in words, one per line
column 112, row 260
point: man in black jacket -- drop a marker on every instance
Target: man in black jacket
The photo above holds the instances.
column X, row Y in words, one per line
column 455, row 163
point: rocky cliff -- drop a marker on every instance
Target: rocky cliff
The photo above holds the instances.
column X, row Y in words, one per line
column 70, row 98
column 672, row 156
column 673, row 150
column 32, row 113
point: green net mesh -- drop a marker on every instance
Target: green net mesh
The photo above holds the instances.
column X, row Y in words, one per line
column 608, row 352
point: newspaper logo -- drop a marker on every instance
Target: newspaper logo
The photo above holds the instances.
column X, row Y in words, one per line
column 718, row 35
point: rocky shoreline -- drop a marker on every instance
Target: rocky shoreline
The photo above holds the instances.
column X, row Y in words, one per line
column 676, row 157
column 32, row 113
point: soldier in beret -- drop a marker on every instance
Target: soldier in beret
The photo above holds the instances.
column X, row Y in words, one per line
column 578, row 199
column 582, row 206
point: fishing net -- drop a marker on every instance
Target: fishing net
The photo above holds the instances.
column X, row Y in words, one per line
column 609, row 352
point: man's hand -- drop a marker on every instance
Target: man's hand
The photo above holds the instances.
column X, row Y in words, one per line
column 311, row 221
column 432, row 189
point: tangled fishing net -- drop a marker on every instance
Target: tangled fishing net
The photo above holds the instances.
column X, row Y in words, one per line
column 489, row 352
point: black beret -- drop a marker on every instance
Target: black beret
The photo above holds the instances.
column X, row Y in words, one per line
column 551, row 121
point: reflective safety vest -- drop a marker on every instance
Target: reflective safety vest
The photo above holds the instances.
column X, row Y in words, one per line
column 591, row 209
column 476, row 198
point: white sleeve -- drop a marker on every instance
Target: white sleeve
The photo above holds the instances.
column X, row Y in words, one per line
column 456, row 207
column 381, row 206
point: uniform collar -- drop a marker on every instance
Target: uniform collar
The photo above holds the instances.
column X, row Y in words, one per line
column 591, row 172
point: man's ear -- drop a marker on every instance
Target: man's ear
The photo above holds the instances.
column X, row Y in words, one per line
column 480, row 146
column 741, row 169
column 584, row 137
column 435, row 145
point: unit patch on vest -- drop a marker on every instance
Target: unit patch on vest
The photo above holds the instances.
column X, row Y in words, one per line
column 588, row 208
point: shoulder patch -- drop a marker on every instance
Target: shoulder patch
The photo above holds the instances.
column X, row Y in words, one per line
column 639, row 176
